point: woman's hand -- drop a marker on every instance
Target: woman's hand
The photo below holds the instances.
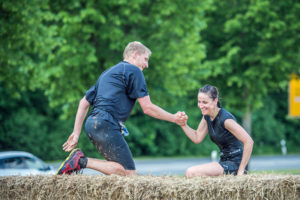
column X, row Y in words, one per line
column 240, row 172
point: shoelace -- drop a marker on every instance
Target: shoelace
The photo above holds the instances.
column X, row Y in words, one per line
column 79, row 171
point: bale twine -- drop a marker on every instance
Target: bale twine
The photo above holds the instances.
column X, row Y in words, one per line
column 150, row 187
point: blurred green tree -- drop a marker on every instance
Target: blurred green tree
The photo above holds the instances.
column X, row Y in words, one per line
column 61, row 47
column 51, row 52
column 26, row 41
column 252, row 47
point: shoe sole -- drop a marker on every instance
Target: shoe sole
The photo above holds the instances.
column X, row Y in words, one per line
column 66, row 160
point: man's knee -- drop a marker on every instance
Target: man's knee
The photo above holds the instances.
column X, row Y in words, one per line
column 117, row 169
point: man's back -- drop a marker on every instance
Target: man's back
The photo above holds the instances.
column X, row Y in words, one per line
column 117, row 90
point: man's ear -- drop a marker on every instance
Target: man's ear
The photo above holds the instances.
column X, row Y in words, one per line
column 134, row 55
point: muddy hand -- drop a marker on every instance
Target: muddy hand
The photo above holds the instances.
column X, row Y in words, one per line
column 70, row 143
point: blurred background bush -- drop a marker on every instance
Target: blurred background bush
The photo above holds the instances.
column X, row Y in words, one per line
column 51, row 52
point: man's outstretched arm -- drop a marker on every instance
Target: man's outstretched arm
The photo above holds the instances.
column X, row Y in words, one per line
column 155, row 111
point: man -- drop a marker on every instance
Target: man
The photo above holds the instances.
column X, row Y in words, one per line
column 112, row 98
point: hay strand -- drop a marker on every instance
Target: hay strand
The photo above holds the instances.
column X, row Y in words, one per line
column 150, row 187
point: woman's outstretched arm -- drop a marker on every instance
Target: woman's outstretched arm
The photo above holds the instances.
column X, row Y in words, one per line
column 196, row 135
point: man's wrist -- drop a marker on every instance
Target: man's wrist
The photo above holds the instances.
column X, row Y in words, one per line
column 174, row 119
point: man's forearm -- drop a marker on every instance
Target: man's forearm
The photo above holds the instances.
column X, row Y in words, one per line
column 80, row 116
column 159, row 113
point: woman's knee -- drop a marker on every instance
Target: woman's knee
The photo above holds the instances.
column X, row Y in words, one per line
column 210, row 169
column 190, row 172
column 130, row 172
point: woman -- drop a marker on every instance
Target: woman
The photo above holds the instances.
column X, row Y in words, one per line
column 234, row 142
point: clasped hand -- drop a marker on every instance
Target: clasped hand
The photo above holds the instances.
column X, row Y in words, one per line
column 181, row 118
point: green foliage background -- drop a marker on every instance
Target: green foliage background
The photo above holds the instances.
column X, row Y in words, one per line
column 51, row 52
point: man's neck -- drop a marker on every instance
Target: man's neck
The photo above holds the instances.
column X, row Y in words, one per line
column 131, row 61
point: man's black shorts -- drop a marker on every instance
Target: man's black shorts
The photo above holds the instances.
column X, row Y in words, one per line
column 109, row 141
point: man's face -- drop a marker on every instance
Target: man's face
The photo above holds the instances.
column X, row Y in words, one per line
column 142, row 61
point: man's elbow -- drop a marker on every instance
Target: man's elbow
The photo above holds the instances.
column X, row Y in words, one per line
column 84, row 103
column 146, row 105
column 147, row 110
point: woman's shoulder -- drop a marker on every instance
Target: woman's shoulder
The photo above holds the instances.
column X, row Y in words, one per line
column 226, row 115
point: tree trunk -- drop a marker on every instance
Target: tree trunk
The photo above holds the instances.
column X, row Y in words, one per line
column 246, row 121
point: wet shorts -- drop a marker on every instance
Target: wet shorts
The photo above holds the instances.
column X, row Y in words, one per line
column 231, row 163
column 230, row 167
column 109, row 141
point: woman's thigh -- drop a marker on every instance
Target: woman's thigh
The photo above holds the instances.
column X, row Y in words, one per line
column 208, row 169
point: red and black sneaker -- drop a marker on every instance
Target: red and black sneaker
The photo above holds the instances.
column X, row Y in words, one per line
column 71, row 164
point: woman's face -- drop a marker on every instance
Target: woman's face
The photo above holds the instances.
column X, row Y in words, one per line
column 206, row 104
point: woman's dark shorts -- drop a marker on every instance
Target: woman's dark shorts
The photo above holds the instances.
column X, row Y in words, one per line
column 110, row 143
column 231, row 162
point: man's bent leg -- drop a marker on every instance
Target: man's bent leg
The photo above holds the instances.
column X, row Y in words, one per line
column 108, row 167
column 110, row 143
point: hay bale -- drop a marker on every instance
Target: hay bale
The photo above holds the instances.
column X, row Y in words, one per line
column 150, row 187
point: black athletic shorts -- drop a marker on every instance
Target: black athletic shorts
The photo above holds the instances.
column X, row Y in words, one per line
column 231, row 162
column 110, row 143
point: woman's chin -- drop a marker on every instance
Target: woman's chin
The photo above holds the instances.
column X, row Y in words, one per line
column 204, row 113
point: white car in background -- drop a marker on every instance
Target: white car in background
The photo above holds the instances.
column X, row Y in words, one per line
column 23, row 164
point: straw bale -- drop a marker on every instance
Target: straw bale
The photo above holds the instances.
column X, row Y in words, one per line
column 150, row 187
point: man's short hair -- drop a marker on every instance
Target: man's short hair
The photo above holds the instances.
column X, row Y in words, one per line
column 135, row 46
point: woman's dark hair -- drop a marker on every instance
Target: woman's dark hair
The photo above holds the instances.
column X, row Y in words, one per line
column 212, row 92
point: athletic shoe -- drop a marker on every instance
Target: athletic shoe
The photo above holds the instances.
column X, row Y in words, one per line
column 71, row 164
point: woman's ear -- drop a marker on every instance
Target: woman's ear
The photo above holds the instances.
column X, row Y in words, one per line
column 216, row 101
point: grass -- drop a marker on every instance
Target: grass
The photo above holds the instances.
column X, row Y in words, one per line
column 285, row 171
column 266, row 172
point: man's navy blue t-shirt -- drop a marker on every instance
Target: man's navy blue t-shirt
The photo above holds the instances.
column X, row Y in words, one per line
column 116, row 91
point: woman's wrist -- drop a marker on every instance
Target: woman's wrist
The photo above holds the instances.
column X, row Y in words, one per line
column 184, row 125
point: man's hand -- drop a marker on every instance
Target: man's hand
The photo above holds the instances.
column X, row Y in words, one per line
column 181, row 118
column 71, row 142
